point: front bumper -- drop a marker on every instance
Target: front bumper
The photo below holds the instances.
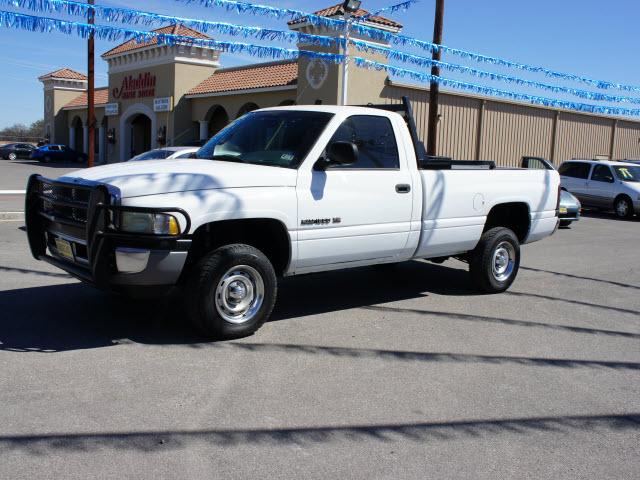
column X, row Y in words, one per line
column 73, row 226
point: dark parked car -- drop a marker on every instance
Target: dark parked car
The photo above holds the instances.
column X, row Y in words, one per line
column 11, row 151
column 58, row 153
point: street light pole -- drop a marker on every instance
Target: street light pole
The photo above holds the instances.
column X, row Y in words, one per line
column 349, row 7
column 432, row 134
column 345, row 65
column 91, row 114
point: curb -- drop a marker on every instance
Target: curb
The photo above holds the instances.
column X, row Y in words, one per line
column 18, row 216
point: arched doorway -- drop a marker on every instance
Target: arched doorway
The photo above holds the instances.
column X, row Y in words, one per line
column 246, row 108
column 77, row 134
column 137, row 128
column 217, row 118
column 140, row 142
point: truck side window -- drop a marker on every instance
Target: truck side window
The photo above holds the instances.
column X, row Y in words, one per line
column 602, row 173
column 375, row 139
column 574, row 169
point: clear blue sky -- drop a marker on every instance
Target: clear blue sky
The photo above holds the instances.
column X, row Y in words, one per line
column 593, row 38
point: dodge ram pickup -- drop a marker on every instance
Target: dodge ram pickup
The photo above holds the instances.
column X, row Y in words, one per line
column 286, row 191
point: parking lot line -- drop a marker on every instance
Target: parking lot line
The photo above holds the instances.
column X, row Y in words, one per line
column 12, row 192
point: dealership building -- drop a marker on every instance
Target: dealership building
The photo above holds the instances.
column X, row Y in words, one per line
column 162, row 95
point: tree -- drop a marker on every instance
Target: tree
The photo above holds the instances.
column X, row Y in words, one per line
column 21, row 133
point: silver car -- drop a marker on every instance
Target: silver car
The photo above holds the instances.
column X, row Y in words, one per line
column 569, row 209
column 603, row 184
column 166, row 153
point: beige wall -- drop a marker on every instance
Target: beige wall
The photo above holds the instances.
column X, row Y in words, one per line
column 56, row 118
column 200, row 106
column 627, row 140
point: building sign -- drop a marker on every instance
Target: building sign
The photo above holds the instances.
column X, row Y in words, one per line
column 144, row 85
column 111, row 109
column 163, row 104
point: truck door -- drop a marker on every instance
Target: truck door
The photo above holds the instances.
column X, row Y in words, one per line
column 357, row 212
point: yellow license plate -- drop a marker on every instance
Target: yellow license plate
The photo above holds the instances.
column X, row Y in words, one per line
column 563, row 210
column 64, row 248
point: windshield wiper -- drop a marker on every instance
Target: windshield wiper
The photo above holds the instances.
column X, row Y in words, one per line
column 227, row 158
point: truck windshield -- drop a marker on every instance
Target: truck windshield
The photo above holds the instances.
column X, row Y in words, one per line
column 278, row 138
column 628, row 174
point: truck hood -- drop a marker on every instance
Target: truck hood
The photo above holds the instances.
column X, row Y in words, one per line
column 135, row 179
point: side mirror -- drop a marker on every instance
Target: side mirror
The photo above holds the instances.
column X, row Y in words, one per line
column 339, row 153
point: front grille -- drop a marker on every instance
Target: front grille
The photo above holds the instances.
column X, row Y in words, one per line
column 66, row 203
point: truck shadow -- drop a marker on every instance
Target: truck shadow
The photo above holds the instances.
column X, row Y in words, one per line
column 74, row 316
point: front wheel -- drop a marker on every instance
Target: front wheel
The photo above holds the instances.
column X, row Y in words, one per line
column 495, row 261
column 232, row 291
column 623, row 208
column 12, row 156
column 565, row 223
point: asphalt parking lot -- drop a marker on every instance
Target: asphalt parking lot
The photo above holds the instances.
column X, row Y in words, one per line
column 371, row 373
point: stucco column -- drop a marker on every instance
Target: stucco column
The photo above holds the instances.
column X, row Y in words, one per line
column 85, row 139
column 102, row 144
column 72, row 137
column 204, row 129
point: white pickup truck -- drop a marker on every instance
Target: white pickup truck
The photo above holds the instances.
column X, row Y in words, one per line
column 286, row 191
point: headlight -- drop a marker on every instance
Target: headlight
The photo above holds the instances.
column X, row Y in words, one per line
column 150, row 223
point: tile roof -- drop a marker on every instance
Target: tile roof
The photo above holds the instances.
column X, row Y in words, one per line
column 101, row 98
column 337, row 10
column 262, row 75
column 170, row 29
column 65, row 73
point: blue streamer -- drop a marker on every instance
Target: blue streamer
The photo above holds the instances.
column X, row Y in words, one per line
column 391, row 9
column 297, row 15
column 428, row 62
column 483, row 90
column 111, row 33
column 136, row 17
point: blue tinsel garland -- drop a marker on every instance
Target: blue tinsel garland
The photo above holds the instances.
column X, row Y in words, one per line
column 481, row 89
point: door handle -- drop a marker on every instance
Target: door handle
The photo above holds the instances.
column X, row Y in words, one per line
column 403, row 188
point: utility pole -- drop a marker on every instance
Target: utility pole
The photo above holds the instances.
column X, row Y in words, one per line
column 91, row 114
column 432, row 134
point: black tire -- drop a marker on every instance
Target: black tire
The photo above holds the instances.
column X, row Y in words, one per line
column 12, row 156
column 213, row 275
column 623, row 207
column 46, row 159
column 483, row 259
column 565, row 223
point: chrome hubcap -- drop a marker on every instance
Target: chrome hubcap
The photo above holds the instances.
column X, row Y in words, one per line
column 504, row 257
column 622, row 208
column 239, row 294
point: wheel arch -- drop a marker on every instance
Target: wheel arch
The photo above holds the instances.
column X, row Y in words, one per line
column 513, row 215
column 269, row 235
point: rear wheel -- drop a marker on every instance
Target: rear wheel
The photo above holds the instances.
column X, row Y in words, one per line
column 232, row 291
column 12, row 156
column 495, row 261
column 565, row 223
column 46, row 159
column 623, row 207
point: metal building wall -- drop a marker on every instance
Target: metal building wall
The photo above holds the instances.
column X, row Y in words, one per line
column 627, row 141
column 479, row 128
column 510, row 132
column 583, row 136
